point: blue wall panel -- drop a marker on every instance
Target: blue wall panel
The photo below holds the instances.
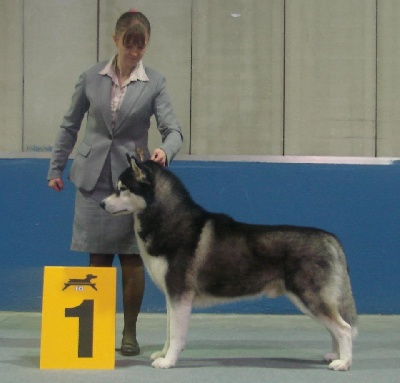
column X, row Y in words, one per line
column 359, row 203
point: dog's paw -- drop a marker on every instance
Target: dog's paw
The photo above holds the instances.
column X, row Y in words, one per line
column 157, row 355
column 331, row 356
column 163, row 363
column 340, row 365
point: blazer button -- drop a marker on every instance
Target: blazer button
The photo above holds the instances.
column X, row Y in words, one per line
column 110, row 136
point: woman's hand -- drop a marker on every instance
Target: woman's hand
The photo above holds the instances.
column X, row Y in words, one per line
column 159, row 156
column 57, row 184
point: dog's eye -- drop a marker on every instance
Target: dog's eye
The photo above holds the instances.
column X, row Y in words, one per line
column 123, row 188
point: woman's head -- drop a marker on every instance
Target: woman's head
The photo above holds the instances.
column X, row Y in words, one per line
column 132, row 34
column 131, row 18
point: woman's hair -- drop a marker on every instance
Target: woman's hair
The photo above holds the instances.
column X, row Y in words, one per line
column 131, row 18
column 134, row 36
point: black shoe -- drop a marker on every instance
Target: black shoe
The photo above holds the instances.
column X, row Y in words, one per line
column 130, row 348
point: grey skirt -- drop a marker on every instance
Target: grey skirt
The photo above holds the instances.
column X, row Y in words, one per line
column 94, row 230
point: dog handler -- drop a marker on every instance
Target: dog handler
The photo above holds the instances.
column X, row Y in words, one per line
column 119, row 98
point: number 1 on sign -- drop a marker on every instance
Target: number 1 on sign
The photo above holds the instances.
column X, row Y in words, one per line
column 85, row 336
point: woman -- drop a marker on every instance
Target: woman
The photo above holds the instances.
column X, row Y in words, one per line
column 119, row 98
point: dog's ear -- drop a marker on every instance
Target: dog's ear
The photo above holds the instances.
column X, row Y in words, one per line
column 140, row 175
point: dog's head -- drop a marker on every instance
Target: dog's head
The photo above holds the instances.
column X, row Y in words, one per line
column 134, row 190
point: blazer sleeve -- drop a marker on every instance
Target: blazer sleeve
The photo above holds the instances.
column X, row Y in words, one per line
column 69, row 129
column 167, row 122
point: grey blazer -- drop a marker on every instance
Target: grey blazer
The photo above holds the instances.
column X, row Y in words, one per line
column 142, row 100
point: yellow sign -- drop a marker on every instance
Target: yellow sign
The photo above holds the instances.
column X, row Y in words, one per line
column 78, row 318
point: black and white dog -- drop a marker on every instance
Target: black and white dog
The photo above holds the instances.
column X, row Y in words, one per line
column 197, row 257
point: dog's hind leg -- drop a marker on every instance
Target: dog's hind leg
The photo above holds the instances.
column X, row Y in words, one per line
column 340, row 330
column 179, row 314
column 334, row 354
column 342, row 340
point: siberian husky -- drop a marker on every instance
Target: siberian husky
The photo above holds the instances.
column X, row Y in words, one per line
column 197, row 257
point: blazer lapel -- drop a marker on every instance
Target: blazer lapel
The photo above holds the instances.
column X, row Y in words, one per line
column 105, row 99
column 133, row 92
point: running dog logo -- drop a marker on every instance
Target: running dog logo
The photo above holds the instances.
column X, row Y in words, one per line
column 81, row 282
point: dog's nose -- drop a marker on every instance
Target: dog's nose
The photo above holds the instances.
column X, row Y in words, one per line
column 102, row 204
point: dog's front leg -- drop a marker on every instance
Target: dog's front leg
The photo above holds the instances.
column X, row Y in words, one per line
column 179, row 313
column 163, row 352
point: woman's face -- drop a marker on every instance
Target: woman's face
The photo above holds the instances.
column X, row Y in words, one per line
column 129, row 55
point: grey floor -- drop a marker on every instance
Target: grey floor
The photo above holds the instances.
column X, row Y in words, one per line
column 220, row 348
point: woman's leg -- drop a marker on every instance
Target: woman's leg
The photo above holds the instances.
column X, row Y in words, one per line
column 132, row 292
column 101, row 260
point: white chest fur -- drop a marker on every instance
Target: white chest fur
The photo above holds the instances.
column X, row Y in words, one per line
column 156, row 266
